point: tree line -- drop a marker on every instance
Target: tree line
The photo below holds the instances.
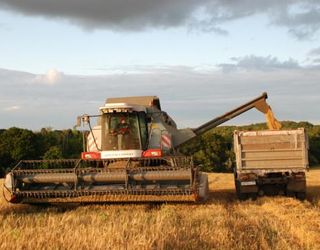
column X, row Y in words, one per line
column 213, row 151
column 22, row 144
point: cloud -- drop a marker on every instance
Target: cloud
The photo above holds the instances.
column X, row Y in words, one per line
column 300, row 18
column 12, row 108
column 313, row 56
column 191, row 96
column 316, row 61
column 303, row 21
column 314, row 52
column 260, row 63
column 52, row 76
column 112, row 14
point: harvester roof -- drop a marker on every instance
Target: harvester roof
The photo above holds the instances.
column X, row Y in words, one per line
column 148, row 101
column 122, row 107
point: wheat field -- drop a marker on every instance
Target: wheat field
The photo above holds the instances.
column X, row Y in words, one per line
column 221, row 223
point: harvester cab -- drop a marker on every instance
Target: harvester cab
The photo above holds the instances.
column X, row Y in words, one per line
column 130, row 155
column 128, row 130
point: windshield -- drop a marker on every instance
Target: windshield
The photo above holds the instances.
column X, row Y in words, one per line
column 123, row 131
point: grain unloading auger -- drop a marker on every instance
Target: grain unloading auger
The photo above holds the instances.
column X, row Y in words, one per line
column 130, row 155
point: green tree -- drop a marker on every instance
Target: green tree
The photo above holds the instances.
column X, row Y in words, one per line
column 16, row 144
column 211, row 152
column 54, row 152
column 19, row 144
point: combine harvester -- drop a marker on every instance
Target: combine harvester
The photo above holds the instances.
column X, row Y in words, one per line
column 131, row 155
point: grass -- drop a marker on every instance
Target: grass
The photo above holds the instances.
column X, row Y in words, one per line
column 222, row 223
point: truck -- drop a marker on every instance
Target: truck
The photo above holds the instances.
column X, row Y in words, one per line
column 130, row 155
column 271, row 162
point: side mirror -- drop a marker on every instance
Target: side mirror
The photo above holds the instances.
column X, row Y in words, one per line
column 85, row 119
column 78, row 123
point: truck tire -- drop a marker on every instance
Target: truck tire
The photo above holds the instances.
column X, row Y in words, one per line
column 301, row 195
column 240, row 195
column 253, row 196
column 290, row 193
column 297, row 189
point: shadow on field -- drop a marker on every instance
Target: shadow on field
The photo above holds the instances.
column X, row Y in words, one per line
column 229, row 196
column 24, row 209
column 223, row 195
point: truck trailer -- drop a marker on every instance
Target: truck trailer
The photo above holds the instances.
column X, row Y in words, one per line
column 271, row 162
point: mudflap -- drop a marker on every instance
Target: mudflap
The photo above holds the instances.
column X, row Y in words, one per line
column 297, row 186
column 246, row 189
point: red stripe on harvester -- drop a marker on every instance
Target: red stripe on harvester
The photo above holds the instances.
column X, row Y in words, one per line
column 166, row 141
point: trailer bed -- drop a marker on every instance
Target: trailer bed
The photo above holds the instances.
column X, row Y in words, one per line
column 283, row 149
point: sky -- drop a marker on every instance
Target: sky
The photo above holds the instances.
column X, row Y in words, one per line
column 60, row 59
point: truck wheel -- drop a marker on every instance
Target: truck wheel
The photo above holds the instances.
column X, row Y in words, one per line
column 290, row 193
column 253, row 196
column 241, row 196
column 301, row 195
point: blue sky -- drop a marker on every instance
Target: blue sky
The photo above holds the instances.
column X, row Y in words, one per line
column 62, row 59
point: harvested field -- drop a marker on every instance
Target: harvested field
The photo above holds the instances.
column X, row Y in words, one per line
column 221, row 223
